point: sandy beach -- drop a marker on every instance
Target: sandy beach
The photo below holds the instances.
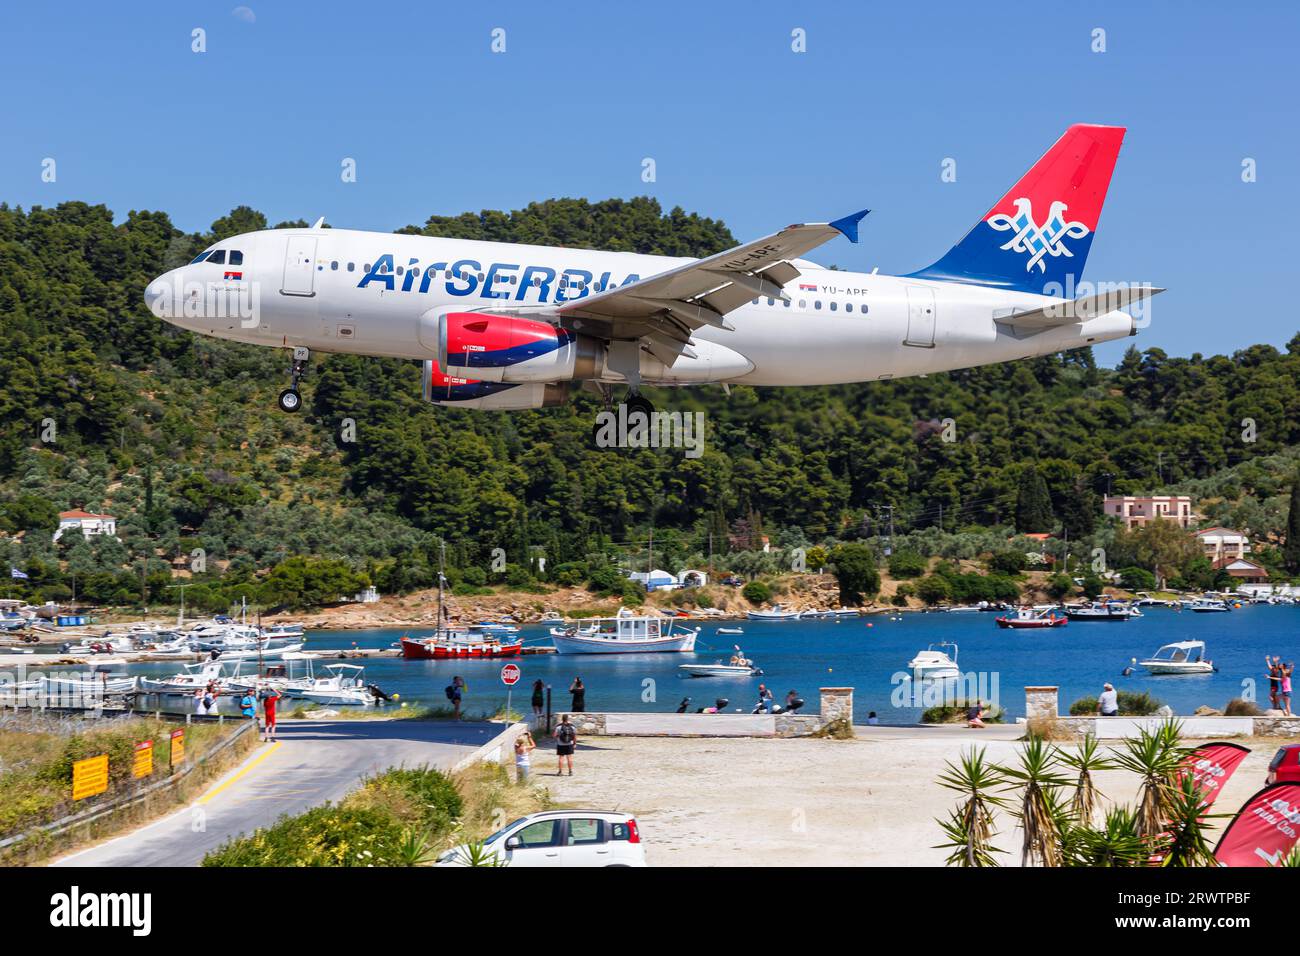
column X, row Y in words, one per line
column 871, row 801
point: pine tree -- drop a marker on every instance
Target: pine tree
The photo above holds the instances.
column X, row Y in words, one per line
column 1033, row 503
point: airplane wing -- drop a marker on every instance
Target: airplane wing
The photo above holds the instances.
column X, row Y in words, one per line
column 1071, row 311
column 664, row 309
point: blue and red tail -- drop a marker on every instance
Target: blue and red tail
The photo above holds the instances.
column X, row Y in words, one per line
column 1036, row 238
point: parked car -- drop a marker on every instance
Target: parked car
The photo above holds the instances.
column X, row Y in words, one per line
column 733, row 582
column 557, row 838
column 1285, row 765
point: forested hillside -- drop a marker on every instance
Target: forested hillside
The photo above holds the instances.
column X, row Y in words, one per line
column 104, row 407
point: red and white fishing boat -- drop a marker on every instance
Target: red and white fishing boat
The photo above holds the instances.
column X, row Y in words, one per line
column 444, row 645
column 1028, row 617
column 449, row 642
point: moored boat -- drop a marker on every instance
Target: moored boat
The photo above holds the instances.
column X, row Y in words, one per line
column 628, row 633
column 931, row 664
column 1098, row 611
column 1030, row 619
column 777, row 613
column 1181, row 657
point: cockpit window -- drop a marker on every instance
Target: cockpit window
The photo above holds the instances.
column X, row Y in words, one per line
column 236, row 257
column 199, row 258
column 218, row 257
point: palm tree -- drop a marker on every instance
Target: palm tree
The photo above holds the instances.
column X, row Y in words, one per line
column 1041, row 813
column 1156, row 757
column 970, row 826
column 1185, row 841
column 1086, row 761
column 1115, row 843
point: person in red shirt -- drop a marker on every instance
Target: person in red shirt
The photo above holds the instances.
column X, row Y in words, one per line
column 270, row 697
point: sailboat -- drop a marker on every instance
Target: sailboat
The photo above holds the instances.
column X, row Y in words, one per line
column 452, row 642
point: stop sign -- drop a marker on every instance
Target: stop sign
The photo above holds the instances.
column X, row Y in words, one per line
column 510, row 674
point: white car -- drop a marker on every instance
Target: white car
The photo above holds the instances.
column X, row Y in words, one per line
column 558, row 838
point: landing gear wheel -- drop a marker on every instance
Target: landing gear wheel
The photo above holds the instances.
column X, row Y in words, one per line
column 290, row 400
column 637, row 403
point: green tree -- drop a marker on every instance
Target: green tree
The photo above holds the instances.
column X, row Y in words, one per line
column 855, row 570
column 1033, row 503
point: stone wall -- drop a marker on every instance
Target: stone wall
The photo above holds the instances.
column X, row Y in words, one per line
column 1041, row 703
column 836, row 704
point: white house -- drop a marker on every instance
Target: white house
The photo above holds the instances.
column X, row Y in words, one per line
column 88, row 524
column 1137, row 510
column 1223, row 544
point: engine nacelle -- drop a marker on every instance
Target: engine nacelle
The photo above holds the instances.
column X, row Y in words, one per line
column 505, row 348
column 443, row 389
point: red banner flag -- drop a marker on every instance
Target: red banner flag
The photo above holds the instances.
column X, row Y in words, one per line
column 1211, row 766
column 1265, row 829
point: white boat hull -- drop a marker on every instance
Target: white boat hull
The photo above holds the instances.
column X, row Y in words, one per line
column 683, row 643
column 716, row 670
column 1168, row 667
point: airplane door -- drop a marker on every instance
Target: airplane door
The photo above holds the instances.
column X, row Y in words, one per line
column 920, row 317
column 299, row 266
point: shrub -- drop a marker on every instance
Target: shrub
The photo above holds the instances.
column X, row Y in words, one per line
column 1238, row 707
column 955, row 713
column 1137, row 579
column 1131, row 704
column 1009, row 561
column 474, row 576
column 933, row 589
column 756, row 592
column 907, row 564
column 606, row 580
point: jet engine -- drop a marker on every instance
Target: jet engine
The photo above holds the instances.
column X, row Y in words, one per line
column 443, row 389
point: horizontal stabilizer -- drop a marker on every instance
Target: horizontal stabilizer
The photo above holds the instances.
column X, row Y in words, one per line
column 1070, row 311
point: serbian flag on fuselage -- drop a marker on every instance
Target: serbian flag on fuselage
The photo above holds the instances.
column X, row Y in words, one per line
column 1264, row 830
column 1210, row 767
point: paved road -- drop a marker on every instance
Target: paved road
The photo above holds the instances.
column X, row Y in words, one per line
column 314, row 761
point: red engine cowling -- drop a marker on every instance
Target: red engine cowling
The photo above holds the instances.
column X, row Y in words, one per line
column 443, row 389
column 504, row 348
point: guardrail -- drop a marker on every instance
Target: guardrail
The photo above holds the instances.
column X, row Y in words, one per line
column 99, row 811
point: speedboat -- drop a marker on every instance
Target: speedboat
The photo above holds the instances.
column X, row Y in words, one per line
column 1028, row 618
column 345, row 686
column 193, row 677
column 628, row 633
column 931, row 664
column 730, row 630
column 108, row 644
column 1206, row 606
column 738, row 666
column 777, row 613
column 287, row 629
column 1181, row 657
column 1099, row 611
column 551, row 617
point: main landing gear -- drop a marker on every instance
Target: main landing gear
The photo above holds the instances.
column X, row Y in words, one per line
column 290, row 399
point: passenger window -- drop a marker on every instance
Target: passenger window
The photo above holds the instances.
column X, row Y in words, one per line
column 541, row 833
column 864, row 310
column 367, row 267
column 236, row 257
column 786, row 303
column 585, row 832
column 833, row 306
column 817, row 304
column 218, row 257
column 399, row 269
column 771, row 302
column 334, row 266
column 848, row 307
column 352, row 266
column 803, row 303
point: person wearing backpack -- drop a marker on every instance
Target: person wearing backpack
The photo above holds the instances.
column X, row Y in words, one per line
column 566, row 741
column 454, row 691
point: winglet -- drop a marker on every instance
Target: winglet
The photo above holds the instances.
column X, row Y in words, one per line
column 849, row 224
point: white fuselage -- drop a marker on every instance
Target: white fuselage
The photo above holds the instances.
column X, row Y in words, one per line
column 322, row 289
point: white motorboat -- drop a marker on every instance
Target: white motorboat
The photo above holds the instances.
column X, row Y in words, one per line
column 730, row 630
column 1181, row 657
column 81, row 687
column 263, row 652
column 551, row 617
column 738, row 666
column 1207, row 606
column 285, row 629
column 108, row 644
column 192, row 678
column 345, row 686
column 777, row 613
column 931, row 664
column 1100, row 611
column 293, row 671
column 627, row 633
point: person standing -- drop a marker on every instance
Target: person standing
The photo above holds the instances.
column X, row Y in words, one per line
column 1274, row 666
column 1286, row 671
column 566, row 742
column 248, row 706
column 455, row 692
column 539, row 698
column 1108, row 702
column 579, row 691
column 524, row 747
column 764, row 699
column 200, row 703
column 270, row 698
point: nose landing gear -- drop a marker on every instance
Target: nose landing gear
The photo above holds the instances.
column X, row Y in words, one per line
column 290, row 399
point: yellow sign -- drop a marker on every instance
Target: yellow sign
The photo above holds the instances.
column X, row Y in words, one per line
column 142, row 763
column 178, row 746
column 89, row 777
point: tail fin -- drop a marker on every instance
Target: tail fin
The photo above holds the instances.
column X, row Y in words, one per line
column 1036, row 237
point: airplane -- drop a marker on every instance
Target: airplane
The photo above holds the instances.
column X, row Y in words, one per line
column 507, row 326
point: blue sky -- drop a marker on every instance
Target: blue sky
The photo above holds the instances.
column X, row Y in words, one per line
column 740, row 127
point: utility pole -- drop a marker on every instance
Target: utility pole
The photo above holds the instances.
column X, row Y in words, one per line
column 710, row 552
column 180, row 621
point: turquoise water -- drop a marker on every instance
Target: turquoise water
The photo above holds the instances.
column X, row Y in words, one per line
column 866, row 654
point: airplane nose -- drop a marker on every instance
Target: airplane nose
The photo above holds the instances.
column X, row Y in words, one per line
column 162, row 295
